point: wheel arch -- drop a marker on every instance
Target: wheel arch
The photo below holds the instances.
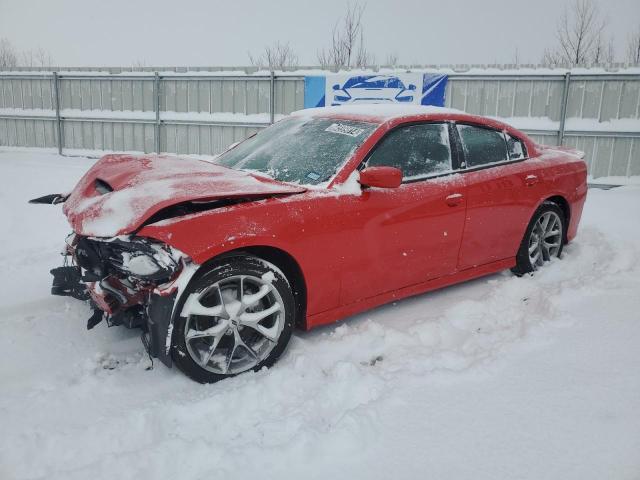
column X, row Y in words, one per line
column 561, row 202
column 285, row 262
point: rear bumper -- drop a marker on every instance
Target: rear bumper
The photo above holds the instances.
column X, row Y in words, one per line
column 574, row 221
column 577, row 205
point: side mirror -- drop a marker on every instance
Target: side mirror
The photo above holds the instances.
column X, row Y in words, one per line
column 381, row 177
column 412, row 86
column 336, row 87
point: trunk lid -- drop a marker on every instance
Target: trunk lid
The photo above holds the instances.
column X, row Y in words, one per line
column 563, row 149
column 120, row 192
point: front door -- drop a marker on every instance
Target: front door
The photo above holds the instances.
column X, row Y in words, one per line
column 403, row 236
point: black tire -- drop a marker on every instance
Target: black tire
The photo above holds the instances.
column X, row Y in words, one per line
column 523, row 261
column 218, row 271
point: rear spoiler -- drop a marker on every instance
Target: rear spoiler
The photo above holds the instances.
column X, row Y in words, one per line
column 563, row 149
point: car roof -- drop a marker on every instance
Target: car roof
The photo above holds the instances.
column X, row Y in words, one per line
column 373, row 112
column 385, row 113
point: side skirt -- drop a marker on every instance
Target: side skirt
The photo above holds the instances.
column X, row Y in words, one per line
column 339, row 313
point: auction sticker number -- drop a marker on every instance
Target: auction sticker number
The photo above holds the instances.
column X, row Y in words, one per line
column 343, row 129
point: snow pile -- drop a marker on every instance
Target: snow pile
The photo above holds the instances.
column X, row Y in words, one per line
column 502, row 377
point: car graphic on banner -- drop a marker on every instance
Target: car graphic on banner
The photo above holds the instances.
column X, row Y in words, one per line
column 418, row 88
column 375, row 89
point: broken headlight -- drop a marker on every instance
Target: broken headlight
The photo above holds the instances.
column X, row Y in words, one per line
column 137, row 257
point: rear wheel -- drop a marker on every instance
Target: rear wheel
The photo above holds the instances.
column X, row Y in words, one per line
column 543, row 239
column 235, row 317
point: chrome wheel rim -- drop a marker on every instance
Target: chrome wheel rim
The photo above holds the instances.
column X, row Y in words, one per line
column 545, row 239
column 234, row 324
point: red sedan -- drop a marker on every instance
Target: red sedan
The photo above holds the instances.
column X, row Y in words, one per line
column 327, row 213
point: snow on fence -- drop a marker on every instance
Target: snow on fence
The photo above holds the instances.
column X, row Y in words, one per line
column 201, row 112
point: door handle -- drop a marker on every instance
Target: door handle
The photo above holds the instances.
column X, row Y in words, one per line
column 454, row 199
column 531, row 180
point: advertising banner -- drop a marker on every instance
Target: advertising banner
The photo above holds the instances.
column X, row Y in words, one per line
column 404, row 88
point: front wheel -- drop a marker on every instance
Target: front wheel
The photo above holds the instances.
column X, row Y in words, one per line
column 543, row 239
column 236, row 316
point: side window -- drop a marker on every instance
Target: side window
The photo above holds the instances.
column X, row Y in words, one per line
column 482, row 146
column 515, row 148
column 417, row 150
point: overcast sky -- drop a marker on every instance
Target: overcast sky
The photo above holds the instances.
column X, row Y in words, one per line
column 215, row 32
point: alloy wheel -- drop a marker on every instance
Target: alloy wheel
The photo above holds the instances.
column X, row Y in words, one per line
column 545, row 240
column 233, row 324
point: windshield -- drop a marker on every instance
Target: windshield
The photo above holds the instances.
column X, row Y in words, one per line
column 298, row 149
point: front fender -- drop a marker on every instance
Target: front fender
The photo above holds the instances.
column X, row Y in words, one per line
column 309, row 228
column 201, row 246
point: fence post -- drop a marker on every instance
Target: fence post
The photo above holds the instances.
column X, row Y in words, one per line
column 563, row 107
column 156, row 106
column 272, row 95
column 56, row 98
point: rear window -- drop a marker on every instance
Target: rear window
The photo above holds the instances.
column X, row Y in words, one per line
column 515, row 148
column 482, row 146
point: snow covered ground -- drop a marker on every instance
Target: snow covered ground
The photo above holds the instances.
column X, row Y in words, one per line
column 499, row 378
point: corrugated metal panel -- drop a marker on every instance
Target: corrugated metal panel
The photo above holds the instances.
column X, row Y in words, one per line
column 592, row 97
column 201, row 139
column 108, row 136
column 608, row 156
column 634, row 164
column 507, row 98
column 25, row 93
column 110, row 94
column 27, row 133
column 630, row 100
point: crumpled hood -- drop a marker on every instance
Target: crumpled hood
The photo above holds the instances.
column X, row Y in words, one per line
column 143, row 185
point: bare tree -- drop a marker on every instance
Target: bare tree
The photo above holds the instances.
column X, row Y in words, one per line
column 275, row 57
column 610, row 52
column 391, row 60
column 604, row 51
column 633, row 47
column 36, row 58
column 551, row 58
column 579, row 32
column 516, row 57
column 8, row 56
column 139, row 64
column 363, row 56
column 347, row 43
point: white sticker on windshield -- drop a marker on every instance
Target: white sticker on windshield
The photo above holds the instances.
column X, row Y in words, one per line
column 344, row 129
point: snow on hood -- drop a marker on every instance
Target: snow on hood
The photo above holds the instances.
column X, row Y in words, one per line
column 144, row 185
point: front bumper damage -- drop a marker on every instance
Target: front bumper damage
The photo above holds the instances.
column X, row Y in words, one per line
column 129, row 281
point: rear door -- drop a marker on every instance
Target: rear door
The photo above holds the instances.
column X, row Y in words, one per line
column 407, row 235
column 502, row 187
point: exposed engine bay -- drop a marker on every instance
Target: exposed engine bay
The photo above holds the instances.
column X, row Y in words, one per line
column 129, row 281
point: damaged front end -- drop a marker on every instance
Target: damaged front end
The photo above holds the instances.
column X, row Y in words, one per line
column 129, row 281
